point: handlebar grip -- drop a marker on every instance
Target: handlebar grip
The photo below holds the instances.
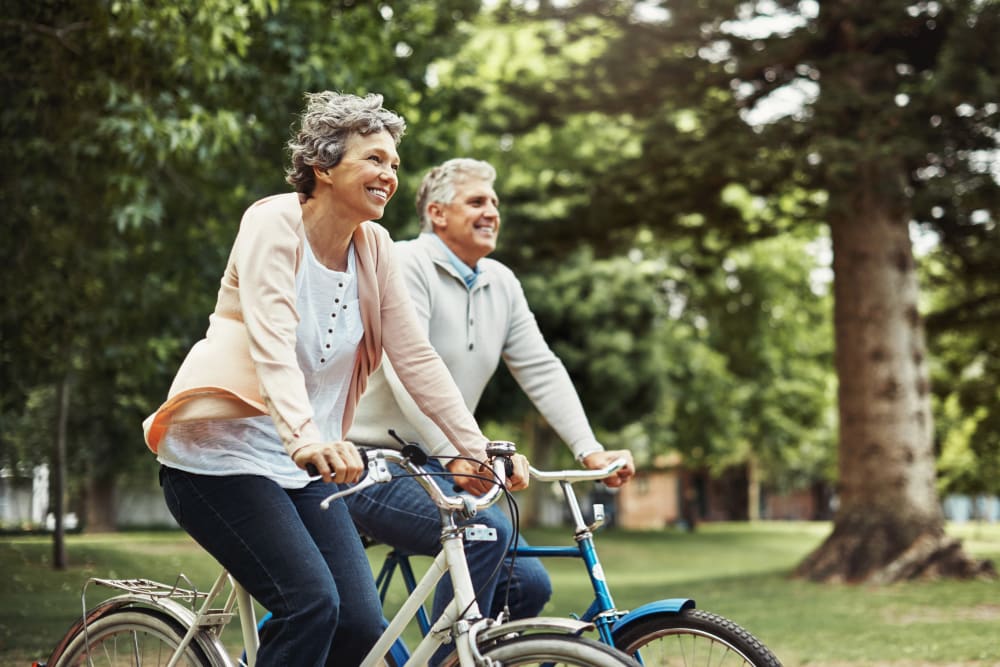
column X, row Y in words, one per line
column 503, row 450
column 312, row 471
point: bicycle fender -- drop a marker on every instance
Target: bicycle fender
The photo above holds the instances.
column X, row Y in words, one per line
column 670, row 606
column 167, row 607
column 563, row 626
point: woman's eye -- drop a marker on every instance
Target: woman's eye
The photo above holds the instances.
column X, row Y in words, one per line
column 375, row 158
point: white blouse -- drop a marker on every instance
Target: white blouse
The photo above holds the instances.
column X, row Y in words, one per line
column 327, row 338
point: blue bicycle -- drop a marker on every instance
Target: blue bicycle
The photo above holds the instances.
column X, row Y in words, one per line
column 664, row 632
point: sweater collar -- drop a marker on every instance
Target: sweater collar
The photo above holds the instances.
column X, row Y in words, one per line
column 468, row 274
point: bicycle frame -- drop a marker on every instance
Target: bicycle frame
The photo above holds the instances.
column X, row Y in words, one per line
column 202, row 622
column 602, row 612
column 462, row 617
column 169, row 601
column 462, row 613
column 451, row 559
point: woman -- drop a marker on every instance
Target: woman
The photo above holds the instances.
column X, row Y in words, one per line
column 309, row 299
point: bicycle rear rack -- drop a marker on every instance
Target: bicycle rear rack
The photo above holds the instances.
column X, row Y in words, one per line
column 154, row 592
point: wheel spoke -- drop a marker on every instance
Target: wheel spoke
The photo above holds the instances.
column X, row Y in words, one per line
column 693, row 638
column 135, row 649
column 132, row 637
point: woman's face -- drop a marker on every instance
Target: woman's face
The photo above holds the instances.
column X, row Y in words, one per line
column 365, row 179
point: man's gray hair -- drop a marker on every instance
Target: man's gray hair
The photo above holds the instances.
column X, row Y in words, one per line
column 327, row 122
column 439, row 183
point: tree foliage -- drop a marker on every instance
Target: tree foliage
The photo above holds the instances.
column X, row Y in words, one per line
column 680, row 379
column 897, row 110
column 967, row 396
column 109, row 140
column 136, row 134
column 665, row 224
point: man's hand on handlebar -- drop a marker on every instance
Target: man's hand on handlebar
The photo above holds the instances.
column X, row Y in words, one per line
column 338, row 461
column 477, row 479
column 598, row 460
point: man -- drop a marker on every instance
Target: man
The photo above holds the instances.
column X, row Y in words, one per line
column 475, row 313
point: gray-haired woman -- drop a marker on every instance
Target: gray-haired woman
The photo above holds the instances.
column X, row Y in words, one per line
column 309, row 300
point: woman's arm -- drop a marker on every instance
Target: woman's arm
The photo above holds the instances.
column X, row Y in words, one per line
column 265, row 256
column 419, row 367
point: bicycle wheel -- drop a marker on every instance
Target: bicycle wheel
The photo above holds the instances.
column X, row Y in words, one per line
column 548, row 649
column 131, row 637
column 692, row 637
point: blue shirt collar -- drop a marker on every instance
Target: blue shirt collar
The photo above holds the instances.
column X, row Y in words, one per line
column 468, row 274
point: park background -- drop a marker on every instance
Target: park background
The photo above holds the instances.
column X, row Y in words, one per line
column 761, row 235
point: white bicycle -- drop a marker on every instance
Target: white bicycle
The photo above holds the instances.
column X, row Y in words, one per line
column 153, row 624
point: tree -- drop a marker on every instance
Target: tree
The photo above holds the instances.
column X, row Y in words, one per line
column 897, row 101
column 136, row 134
column 701, row 391
column 99, row 127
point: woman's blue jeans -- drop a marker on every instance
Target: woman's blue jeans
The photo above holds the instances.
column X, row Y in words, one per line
column 402, row 515
column 306, row 565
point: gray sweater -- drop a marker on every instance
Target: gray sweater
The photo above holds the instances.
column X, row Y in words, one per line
column 472, row 329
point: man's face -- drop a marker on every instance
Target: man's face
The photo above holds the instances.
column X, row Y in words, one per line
column 470, row 223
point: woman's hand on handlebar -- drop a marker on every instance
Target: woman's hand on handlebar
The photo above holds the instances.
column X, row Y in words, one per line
column 598, row 460
column 477, row 478
column 338, row 461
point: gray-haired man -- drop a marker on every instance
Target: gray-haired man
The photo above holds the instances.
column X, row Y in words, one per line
column 476, row 314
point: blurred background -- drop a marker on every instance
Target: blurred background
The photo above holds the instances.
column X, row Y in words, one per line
column 761, row 235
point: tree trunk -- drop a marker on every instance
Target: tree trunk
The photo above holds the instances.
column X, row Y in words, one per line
column 689, row 500
column 59, row 560
column 99, row 506
column 889, row 525
column 542, row 455
column 753, row 488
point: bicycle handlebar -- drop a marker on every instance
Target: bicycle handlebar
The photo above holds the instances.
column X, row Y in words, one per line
column 577, row 475
column 378, row 473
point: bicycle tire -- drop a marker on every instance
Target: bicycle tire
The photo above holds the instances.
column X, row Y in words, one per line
column 690, row 638
column 550, row 649
column 131, row 636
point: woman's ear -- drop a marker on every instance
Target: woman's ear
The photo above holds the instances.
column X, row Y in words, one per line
column 321, row 174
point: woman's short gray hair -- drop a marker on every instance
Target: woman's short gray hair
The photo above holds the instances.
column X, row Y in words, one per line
column 439, row 183
column 327, row 122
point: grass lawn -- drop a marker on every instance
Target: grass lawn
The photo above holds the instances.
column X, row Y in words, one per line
column 737, row 570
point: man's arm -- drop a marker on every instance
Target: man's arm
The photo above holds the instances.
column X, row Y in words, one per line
column 544, row 379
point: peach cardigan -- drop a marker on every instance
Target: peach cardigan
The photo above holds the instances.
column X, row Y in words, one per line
column 246, row 364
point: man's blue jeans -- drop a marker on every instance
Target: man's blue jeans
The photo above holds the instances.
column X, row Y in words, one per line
column 402, row 515
column 304, row 564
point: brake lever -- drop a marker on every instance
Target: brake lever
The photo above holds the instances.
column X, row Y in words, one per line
column 378, row 473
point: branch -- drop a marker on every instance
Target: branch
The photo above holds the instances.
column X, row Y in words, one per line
column 59, row 34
